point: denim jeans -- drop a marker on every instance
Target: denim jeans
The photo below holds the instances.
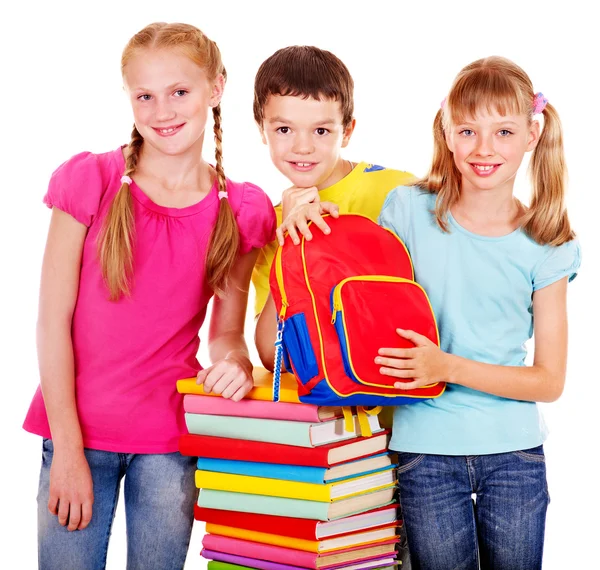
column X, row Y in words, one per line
column 472, row 512
column 160, row 493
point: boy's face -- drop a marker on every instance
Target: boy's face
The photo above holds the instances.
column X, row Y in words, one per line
column 304, row 137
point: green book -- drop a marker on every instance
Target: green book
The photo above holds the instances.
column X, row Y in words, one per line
column 302, row 434
column 299, row 508
column 215, row 565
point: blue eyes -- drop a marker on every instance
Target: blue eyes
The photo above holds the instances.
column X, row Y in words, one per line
column 470, row 133
column 178, row 93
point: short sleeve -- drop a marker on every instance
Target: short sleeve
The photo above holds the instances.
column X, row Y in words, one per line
column 76, row 187
column 561, row 261
column 256, row 219
column 395, row 213
column 261, row 274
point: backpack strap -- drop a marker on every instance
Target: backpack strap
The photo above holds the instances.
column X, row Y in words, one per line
column 278, row 359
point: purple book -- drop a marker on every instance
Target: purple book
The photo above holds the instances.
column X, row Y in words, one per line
column 264, row 565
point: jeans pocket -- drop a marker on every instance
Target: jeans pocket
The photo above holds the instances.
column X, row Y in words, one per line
column 535, row 454
column 408, row 461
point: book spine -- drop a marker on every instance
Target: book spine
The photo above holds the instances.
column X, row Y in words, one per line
column 279, row 506
column 305, row 529
column 270, row 431
column 260, row 551
column 263, row 486
column 242, row 450
column 301, row 473
column 197, row 404
column 263, row 537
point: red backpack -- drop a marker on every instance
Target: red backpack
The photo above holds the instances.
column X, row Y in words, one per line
column 340, row 298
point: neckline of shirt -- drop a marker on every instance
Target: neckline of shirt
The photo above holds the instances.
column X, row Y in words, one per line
column 465, row 231
column 172, row 212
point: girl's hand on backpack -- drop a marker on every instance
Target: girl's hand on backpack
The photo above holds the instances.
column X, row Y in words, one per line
column 425, row 364
column 299, row 217
column 231, row 377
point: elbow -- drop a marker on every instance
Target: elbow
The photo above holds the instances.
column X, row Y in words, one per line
column 555, row 385
column 266, row 351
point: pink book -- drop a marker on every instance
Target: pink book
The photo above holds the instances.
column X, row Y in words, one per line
column 209, row 405
column 293, row 557
column 266, row 565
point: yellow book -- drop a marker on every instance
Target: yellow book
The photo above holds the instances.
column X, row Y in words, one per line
column 323, row 493
column 263, row 387
column 366, row 538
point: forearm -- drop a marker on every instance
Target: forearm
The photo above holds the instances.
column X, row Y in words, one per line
column 228, row 345
column 529, row 383
column 57, row 379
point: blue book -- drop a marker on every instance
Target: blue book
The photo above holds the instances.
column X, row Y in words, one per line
column 301, row 473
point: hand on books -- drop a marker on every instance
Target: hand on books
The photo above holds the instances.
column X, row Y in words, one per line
column 299, row 217
column 231, row 377
column 425, row 364
column 71, row 489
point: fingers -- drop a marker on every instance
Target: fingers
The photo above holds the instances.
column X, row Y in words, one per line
column 242, row 391
column 397, row 363
column 408, row 385
column 414, row 337
column 397, row 352
column 280, row 237
column 321, row 224
column 86, row 514
column 63, row 511
column 53, row 503
column 396, row 373
column 74, row 515
column 201, row 376
column 330, row 208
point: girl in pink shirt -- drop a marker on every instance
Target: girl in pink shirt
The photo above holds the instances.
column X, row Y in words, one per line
column 140, row 239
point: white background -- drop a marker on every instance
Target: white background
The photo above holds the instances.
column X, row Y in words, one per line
column 61, row 94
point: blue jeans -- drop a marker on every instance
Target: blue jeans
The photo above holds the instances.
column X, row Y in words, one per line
column 485, row 511
column 160, row 493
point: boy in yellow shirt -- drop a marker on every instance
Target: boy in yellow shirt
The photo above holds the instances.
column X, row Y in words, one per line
column 303, row 105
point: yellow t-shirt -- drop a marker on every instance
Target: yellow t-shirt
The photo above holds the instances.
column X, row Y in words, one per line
column 362, row 191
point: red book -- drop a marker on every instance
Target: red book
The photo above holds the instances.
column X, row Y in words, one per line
column 299, row 528
column 246, row 450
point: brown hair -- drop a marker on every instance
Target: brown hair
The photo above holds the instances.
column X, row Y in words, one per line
column 115, row 244
column 304, row 71
column 498, row 83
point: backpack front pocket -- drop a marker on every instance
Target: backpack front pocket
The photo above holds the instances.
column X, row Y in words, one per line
column 366, row 311
column 296, row 340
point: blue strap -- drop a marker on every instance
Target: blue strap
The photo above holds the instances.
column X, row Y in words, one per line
column 278, row 359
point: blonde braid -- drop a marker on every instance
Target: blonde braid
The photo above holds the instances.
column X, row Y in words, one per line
column 225, row 238
column 115, row 242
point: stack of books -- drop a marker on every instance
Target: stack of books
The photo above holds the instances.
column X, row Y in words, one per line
column 284, row 486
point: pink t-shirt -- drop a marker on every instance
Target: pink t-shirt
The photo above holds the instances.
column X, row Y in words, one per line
column 129, row 354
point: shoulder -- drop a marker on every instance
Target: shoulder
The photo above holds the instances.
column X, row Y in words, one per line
column 554, row 262
column 78, row 184
column 254, row 214
column 410, row 197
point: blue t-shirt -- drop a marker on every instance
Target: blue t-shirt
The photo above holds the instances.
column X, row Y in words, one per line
column 480, row 290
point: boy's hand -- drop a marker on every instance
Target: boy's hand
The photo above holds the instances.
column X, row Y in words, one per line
column 425, row 364
column 231, row 377
column 295, row 196
column 297, row 220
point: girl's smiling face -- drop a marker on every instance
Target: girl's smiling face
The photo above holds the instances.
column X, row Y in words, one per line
column 488, row 148
column 170, row 96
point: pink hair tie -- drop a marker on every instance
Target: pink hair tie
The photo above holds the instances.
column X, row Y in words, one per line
column 539, row 103
column 125, row 179
column 443, row 103
column 222, row 195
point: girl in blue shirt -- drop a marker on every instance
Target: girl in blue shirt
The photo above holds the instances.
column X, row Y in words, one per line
column 472, row 476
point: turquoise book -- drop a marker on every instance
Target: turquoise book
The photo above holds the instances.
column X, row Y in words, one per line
column 301, row 473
